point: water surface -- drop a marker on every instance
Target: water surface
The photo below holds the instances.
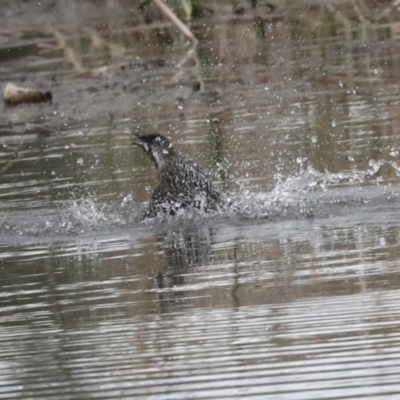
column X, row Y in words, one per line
column 294, row 296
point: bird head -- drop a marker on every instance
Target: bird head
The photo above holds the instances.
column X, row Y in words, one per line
column 158, row 148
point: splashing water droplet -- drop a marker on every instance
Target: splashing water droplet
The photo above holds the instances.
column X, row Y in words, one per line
column 126, row 200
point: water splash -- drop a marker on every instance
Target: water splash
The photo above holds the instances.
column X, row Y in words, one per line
column 309, row 193
column 77, row 217
column 88, row 212
column 299, row 195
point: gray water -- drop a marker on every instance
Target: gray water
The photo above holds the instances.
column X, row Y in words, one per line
column 294, row 295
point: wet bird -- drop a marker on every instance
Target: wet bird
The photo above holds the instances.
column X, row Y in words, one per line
column 182, row 184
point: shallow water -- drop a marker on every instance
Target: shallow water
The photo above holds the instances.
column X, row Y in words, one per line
column 294, row 296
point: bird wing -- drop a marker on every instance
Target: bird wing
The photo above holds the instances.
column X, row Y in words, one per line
column 183, row 184
column 191, row 181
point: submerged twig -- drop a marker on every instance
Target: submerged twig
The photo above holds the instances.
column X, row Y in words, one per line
column 116, row 50
column 69, row 51
column 9, row 163
column 176, row 21
column 187, row 56
column 191, row 53
column 188, row 33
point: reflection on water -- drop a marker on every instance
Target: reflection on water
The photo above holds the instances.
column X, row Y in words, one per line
column 295, row 295
column 184, row 250
column 285, row 308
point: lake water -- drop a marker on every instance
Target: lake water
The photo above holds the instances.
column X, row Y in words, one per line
column 294, row 295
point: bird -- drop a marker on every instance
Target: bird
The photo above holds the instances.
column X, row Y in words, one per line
column 182, row 182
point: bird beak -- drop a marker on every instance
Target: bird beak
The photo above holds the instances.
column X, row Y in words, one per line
column 138, row 144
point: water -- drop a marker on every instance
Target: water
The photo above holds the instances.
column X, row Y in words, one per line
column 294, row 295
